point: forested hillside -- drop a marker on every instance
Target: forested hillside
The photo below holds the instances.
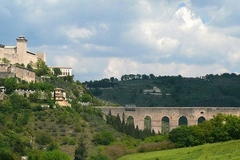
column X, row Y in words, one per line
column 143, row 90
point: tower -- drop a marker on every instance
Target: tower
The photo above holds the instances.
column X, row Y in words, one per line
column 21, row 49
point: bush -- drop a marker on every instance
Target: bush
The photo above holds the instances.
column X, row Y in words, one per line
column 6, row 155
column 52, row 146
column 149, row 147
column 64, row 140
column 183, row 136
column 54, row 155
column 72, row 141
column 103, row 138
column 43, row 139
column 115, row 151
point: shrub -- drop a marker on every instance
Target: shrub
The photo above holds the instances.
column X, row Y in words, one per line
column 148, row 147
column 6, row 155
column 72, row 141
column 103, row 138
column 54, row 155
column 78, row 128
column 115, row 151
column 52, row 146
column 64, row 140
column 43, row 139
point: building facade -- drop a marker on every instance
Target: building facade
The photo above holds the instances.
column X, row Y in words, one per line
column 60, row 97
column 65, row 71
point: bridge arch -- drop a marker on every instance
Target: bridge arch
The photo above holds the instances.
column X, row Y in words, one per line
column 165, row 125
column 201, row 119
column 182, row 121
column 147, row 123
column 130, row 120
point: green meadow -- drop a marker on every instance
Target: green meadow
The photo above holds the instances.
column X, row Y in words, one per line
column 215, row 151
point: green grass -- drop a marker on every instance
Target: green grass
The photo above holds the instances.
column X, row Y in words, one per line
column 216, row 151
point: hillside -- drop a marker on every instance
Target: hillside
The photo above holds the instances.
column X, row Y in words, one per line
column 210, row 90
column 223, row 150
column 31, row 125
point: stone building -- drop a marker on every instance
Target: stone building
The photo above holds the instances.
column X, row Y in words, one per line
column 19, row 53
column 60, row 97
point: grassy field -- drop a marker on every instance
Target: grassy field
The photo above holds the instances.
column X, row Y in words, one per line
column 217, row 151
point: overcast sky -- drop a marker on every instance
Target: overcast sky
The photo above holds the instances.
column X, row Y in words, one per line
column 109, row 38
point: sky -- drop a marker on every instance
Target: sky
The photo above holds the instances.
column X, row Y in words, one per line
column 109, row 38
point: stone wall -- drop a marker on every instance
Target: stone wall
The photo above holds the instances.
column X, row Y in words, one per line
column 23, row 74
column 7, row 70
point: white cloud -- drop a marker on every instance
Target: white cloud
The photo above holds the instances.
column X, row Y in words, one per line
column 118, row 37
column 190, row 22
column 76, row 33
column 167, row 44
column 234, row 58
column 118, row 67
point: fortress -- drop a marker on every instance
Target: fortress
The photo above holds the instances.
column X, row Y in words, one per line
column 19, row 54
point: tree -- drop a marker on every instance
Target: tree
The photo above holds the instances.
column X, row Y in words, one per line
column 43, row 139
column 57, row 71
column 86, row 98
column 144, row 76
column 52, row 146
column 112, row 79
column 6, row 155
column 152, row 76
column 81, row 150
column 103, row 138
column 182, row 136
column 19, row 101
column 29, row 67
column 5, row 61
column 10, row 85
column 41, row 68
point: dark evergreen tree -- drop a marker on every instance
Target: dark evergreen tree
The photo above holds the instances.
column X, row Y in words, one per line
column 123, row 124
column 81, row 150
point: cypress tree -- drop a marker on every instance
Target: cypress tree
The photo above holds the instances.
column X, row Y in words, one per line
column 81, row 150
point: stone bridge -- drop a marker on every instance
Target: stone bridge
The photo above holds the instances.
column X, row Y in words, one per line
column 161, row 119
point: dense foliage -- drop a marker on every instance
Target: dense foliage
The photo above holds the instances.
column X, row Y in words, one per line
column 210, row 90
column 218, row 129
column 128, row 128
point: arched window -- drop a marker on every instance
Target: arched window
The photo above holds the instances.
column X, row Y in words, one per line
column 165, row 125
column 182, row 121
column 201, row 119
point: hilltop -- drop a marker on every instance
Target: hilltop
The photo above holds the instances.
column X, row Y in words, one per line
column 210, row 90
